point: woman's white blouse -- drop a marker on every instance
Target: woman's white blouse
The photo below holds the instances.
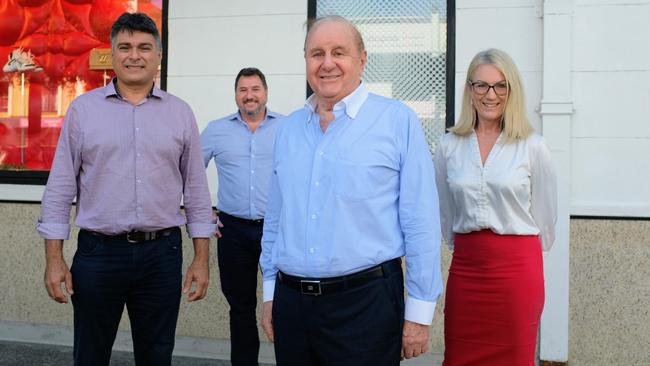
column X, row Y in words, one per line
column 515, row 192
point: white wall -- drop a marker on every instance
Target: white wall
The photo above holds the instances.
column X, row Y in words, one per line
column 513, row 26
column 211, row 40
column 610, row 76
column 611, row 126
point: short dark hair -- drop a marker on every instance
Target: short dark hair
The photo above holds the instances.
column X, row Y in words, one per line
column 251, row 71
column 135, row 22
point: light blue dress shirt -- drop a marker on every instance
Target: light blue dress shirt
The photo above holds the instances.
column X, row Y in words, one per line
column 360, row 194
column 244, row 162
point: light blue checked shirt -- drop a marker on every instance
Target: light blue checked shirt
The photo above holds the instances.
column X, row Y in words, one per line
column 244, row 162
column 360, row 194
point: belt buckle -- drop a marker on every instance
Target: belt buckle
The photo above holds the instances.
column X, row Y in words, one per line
column 132, row 241
column 310, row 287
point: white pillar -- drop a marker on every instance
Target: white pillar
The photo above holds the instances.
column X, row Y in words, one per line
column 556, row 109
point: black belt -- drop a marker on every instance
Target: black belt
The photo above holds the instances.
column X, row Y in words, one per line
column 256, row 222
column 135, row 237
column 324, row 286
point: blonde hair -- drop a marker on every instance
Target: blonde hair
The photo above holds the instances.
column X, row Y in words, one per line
column 514, row 123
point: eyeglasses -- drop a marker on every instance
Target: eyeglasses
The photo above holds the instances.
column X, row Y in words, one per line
column 482, row 88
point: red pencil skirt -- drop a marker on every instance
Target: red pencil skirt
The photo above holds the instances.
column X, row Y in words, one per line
column 494, row 300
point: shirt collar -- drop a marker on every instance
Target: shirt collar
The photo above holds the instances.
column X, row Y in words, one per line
column 351, row 104
column 111, row 90
column 237, row 116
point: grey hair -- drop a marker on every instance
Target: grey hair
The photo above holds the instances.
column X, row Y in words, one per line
column 314, row 23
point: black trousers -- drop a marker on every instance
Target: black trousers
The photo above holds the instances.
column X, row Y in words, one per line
column 238, row 252
column 355, row 327
column 146, row 277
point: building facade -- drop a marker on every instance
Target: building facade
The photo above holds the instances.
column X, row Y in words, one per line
column 587, row 81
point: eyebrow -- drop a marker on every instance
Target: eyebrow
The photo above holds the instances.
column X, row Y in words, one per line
column 335, row 48
column 483, row 81
column 137, row 45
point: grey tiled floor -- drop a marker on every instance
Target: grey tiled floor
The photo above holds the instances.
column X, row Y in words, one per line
column 28, row 354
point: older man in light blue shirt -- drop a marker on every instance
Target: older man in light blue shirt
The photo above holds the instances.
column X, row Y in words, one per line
column 353, row 191
column 241, row 145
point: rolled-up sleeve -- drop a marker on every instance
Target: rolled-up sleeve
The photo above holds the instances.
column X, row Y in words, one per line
column 61, row 188
column 196, row 195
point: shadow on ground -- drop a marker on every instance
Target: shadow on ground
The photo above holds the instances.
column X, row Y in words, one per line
column 22, row 354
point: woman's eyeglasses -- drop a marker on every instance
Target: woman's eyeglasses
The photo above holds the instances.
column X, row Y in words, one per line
column 482, row 88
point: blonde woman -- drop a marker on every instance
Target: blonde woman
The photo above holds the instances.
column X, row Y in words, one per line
column 497, row 192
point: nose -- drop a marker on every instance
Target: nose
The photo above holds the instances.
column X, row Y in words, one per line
column 328, row 62
column 492, row 90
column 133, row 53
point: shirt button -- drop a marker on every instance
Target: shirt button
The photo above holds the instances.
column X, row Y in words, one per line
column 137, row 128
column 311, row 250
column 252, row 172
column 252, row 188
column 317, row 183
column 313, row 217
column 320, row 153
column 252, row 155
column 139, row 181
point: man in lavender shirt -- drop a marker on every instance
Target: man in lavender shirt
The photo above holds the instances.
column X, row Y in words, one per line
column 129, row 152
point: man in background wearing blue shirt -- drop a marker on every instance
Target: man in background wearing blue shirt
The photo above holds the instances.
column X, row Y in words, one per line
column 353, row 191
column 241, row 145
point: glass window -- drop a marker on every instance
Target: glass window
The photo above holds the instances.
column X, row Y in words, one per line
column 51, row 51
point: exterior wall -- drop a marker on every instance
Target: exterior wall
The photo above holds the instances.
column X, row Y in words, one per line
column 25, row 300
column 610, row 129
column 610, row 293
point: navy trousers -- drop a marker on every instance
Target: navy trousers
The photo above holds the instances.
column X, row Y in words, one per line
column 361, row 326
column 238, row 254
column 146, row 277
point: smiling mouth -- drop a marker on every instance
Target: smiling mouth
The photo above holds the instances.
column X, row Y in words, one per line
column 330, row 77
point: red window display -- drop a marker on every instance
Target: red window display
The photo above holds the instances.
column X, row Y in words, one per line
column 52, row 51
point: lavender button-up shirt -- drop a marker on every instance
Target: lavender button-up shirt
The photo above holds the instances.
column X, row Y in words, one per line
column 129, row 166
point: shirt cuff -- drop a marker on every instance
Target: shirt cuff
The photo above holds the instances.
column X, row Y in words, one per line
column 201, row 230
column 53, row 230
column 419, row 311
column 268, row 289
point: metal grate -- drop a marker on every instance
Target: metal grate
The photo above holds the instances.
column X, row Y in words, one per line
column 406, row 43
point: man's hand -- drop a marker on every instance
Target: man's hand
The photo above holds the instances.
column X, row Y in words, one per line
column 199, row 271
column 267, row 319
column 215, row 219
column 415, row 339
column 56, row 272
